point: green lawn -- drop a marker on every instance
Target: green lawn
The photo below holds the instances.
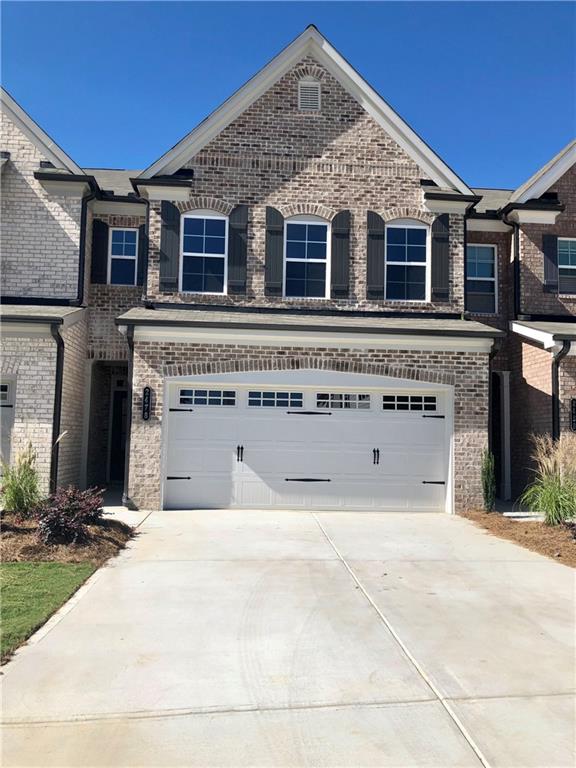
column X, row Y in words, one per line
column 31, row 593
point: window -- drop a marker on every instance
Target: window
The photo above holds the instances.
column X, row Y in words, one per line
column 5, row 394
column 204, row 251
column 123, row 256
column 481, row 279
column 409, row 402
column 566, row 265
column 207, row 397
column 406, row 260
column 275, row 399
column 306, row 252
column 346, row 401
column 309, row 95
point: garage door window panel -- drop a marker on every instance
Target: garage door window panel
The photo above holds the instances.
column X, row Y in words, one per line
column 346, row 401
column 258, row 399
column 207, row 397
column 306, row 260
column 406, row 262
column 409, row 403
column 204, row 254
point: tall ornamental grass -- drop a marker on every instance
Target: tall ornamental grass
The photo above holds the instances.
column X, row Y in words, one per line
column 553, row 491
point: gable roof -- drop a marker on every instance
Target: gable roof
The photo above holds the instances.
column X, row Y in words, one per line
column 310, row 42
column 547, row 175
column 37, row 136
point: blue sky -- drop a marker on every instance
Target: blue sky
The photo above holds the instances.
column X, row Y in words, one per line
column 490, row 86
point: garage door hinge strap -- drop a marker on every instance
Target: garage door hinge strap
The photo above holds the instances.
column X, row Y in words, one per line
column 172, row 477
column 433, row 482
column 306, row 480
column 308, row 413
column 432, row 416
column 181, row 409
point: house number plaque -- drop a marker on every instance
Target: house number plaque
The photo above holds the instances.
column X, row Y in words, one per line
column 146, row 400
column 573, row 414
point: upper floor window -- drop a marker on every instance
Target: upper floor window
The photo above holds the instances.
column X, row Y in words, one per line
column 204, row 252
column 308, row 95
column 123, row 256
column 407, row 261
column 566, row 265
column 481, row 279
column 306, row 258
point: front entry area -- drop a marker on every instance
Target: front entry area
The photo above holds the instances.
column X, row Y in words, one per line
column 307, row 440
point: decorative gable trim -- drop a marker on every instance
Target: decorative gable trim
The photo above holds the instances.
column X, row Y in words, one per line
column 548, row 175
column 37, row 136
column 312, row 43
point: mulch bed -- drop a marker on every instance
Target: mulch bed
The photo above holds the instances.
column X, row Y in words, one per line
column 557, row 542
column 19, row 543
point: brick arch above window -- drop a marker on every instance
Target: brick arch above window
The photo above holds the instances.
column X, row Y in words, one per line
column 206, row 204
column 274, row 363
column 310, row 209
column 389, row 214
column 308, row 70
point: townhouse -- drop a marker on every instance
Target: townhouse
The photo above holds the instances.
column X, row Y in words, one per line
column 299, row 305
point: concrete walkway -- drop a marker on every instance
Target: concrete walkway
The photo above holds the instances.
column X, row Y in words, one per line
column 291, row 639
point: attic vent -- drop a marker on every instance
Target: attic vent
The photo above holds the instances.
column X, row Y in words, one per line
column 309, row 95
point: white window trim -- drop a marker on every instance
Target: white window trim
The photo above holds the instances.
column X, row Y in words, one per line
column 204, row 214
column 126, row 258
column 310, row 81
column 409, row 224
column 309, row 219
column 564, row 266
column 484, row 279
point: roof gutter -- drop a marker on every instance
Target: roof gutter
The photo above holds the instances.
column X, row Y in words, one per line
column 57, row 410
column 556, row 360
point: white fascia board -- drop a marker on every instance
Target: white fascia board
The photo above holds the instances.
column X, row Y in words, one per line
column 154, row 192
column 37, row 136
column 64, row 188
column 313, row 43
column 487, row 225
column 527, row 216
column 447, row 206
column 25, row 330
column 279, row 338
column 118, row 209
column 545, row 339
column 546, row 177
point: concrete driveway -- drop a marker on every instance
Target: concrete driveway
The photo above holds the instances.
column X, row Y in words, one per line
column 292, row 639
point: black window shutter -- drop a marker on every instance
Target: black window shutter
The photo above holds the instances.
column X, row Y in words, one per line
column 237, row 249
column 99, row 269
column 375, row 256
column 440, row 278
column 340, row 258
column 142, row 255
column 550, row 251
column 169, row 247
column 274, row 252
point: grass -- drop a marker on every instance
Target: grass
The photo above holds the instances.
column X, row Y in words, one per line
column 31, row 593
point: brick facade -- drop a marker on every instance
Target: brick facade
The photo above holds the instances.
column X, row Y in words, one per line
column 466, row 372
column 533, row 298
column 39, row 233
column 73, row 404
column 338, row 159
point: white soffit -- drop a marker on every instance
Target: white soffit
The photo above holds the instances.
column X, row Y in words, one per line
column 37, row 136
column 310, row 42
column 543, row 179
column 527, row 216
column 486, row 225
column 268, row 338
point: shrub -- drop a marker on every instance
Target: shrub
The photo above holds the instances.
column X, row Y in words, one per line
column 64, row 517
column 488, row 474
column 553, row 492
column 20, row 485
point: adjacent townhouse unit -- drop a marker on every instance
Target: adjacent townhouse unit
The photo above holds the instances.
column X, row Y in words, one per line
column 299, row 305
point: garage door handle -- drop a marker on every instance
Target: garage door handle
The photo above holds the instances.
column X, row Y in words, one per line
column 306, row 480
column 239, row 453
column 432, row 416
column 171, row 477
column 433, row 482
column 6, row 405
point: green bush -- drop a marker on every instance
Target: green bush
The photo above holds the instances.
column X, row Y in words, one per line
column 20, row 492
column 488, row 474
column 553, row 492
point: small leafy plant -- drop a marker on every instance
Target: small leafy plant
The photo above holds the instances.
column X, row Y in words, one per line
column 553, row 492
column 65, row 516
column 20, row 491
column 488, row 474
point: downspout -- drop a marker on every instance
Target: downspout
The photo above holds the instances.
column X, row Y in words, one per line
column 496, row 346
column 515, row 262
column 79, row 300
column 57, row 410
column 556, row 360
column 126, row 500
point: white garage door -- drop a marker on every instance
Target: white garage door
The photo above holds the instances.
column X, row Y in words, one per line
column 322, row 447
